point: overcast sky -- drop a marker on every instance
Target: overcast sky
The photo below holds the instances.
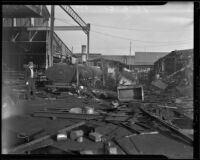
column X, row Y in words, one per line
column 149, row 28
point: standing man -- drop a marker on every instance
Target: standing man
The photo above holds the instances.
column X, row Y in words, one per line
column 29, row 80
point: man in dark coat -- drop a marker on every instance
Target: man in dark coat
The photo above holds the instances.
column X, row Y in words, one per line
column 29, row 80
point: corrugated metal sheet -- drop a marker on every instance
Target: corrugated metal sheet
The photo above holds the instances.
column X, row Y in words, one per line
column 173, row 61
column 23, row 22
column 126, row 59
column 40, row 22
column 23, row 11
column 148, row 58
column 7, row 22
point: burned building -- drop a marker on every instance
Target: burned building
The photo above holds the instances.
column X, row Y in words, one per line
column 176, row 70
column 144, row 62
column 173, row 62
column 26, row 37
column 98, row 107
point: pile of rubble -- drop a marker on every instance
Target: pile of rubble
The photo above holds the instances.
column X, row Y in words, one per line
column 180, row 82
column 101, row 128
column 101, row 121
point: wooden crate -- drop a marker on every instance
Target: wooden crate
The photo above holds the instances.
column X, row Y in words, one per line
column 130, row 93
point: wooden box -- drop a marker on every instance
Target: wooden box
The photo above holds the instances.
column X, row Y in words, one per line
column 130, row 93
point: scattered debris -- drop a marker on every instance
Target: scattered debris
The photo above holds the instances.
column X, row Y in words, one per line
column 171, row 127
column 87, row 152
column 115, row 103
column 33, row 144
column 76, row 134
column 89, row 110
column 109, row 149
column 130, row 93
column 95, row 136
column 61, row 136
column 76, row 110
column 80, row 139
column 159, row 84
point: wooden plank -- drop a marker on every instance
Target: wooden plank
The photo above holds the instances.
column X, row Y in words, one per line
column 172, row 128
column 110, row 118
column 24, row 147
column 41, row 144
column 121, row 146
column 67, row 116
column 158, row 144
column 56, row 86
column 127, row 145
column 67, row 113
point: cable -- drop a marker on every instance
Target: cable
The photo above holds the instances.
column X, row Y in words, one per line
column 65, row 21
column 129, row 39
column 125, row 38
column 135, row 29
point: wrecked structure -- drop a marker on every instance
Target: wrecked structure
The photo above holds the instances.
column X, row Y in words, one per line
column 96, row 110
column 176, row 70
column 112, row 72
column 26, row 37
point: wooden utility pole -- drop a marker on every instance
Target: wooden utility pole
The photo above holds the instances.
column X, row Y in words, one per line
column 77, row 74
column 103, row 71
column 130, row 57
column 47, row 49
column 51, row 35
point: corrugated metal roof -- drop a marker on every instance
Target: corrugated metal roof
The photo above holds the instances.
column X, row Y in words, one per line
column 176, row 52
column 148, row 58
column 143, row 63
column 126, row 59
column 23, row 11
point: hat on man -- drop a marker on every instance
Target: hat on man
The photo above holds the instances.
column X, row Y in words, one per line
column 30, row 63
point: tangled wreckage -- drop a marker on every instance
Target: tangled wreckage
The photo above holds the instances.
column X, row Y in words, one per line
column 106, row 105
column 74, row 115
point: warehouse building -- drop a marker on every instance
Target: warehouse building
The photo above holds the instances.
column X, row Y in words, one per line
column 26, row 38
column 173, row 62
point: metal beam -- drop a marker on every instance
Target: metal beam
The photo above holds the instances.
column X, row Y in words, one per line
column 88, row 45
column 75, row 17
column 56, row 28
column 31, row 39
column 25, row 41
column 15, row 37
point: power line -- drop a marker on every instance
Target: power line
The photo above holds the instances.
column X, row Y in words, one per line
column 126, row 38
column 167, row 45
column 129, row 39
column 136, row 29
column 133, row 29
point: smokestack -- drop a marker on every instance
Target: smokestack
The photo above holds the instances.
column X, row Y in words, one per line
column 83, row 51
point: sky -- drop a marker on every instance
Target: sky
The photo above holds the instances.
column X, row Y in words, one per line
column 116, row 29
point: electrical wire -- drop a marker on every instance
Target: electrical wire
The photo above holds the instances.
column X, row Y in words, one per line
column 132, row 29
column 175, row 43
column 129, row 39
column 136, row 29
column 126, row 38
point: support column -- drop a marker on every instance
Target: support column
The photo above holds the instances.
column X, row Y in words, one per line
column 47, row 50
column 88, row 45
column 77, row 74
column 51, row 34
